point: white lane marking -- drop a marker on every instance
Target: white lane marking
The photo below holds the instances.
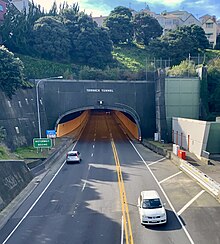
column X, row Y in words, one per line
column 39, row 197
column 85, row 181
column 93, row 146
column 92, row 155
column 95, row 135
column 94, row 139
column 170, row 177
column 156, row 161
column 122, row 230
column 26, row 214
column 168, row 200
column 190, row 202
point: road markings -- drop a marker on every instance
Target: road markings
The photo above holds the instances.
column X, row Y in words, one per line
column 29, row 210
column 170, row 177
column 85, row 181
column 156, row 161
column 124, row 204
column 164, row 193
column 36, row 201
column 93, row 146
column 92, row 155
column 122, row 230
column 190, row 202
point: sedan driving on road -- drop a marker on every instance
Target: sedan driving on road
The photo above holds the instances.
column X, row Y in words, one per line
column 151, row 209
column 73, row 157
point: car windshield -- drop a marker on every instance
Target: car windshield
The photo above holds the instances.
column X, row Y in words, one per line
column 151, row 203
column 73, row 154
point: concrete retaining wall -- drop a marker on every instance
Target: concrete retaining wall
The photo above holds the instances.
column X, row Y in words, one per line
column 14, row 177
column 19, row 118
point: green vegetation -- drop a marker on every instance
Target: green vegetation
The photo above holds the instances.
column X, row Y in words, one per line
column 31, row 152
column 211, row 54
column 131, row 57
column 35, row 68
column 67, row 42
column 185, row 69
column 3, row 153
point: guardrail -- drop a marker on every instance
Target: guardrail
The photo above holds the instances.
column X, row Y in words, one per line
column 208, row 183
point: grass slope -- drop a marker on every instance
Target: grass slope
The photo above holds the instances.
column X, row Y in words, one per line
column 131, row 57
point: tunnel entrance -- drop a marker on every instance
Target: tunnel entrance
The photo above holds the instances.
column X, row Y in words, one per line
column 74, row 121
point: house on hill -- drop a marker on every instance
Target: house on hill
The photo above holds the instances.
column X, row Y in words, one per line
column 211, row 28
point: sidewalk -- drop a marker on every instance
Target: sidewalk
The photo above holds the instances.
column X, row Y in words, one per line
column 212, row 169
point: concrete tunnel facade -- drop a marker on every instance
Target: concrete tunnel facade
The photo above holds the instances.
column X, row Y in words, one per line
column 63, row 97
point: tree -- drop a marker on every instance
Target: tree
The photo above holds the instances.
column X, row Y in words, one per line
column 51, row 39
column 119, row 24
column 17, row 26
column 198, row 36
column 146, row 28
column 214, row 85
column 11, row 72
column 217, row 46
column 93, row 47
column 179, row 44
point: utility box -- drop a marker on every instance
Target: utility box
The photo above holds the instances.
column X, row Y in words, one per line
column 182, row 154
column 156, row 136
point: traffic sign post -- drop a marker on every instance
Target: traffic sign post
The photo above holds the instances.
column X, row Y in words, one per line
column 42, row 143
column 51, row 134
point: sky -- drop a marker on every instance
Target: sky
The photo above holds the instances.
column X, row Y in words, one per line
column 103, row 7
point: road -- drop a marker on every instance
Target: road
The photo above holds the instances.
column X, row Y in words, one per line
column 80, row 203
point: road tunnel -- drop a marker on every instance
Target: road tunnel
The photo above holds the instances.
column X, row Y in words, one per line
column 72, row 123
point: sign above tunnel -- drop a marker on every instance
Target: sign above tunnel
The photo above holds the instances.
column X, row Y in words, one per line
column 42, row 143
column 100, row 90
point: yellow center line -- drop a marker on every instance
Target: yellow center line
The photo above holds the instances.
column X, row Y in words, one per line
column 124, row 204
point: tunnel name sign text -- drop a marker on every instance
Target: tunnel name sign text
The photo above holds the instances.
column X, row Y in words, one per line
column 42, row 143
column 99, row 90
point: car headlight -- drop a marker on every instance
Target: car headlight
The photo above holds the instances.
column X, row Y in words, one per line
column 163, row 215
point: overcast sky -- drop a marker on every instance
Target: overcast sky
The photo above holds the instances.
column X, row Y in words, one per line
column 104, row 7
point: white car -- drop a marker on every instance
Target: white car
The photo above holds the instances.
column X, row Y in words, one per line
column 151, row 209
column 73, row 156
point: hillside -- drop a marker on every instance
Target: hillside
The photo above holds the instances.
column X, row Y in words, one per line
column 132, row 58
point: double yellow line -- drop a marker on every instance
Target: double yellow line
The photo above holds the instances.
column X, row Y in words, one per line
column 124, row 204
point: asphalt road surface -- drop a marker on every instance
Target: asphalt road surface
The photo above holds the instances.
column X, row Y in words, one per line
column 80, row 203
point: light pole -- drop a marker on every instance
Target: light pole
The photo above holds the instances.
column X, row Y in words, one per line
column 37, row 101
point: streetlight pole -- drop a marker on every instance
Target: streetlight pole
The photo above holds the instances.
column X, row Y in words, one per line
column 37, row 101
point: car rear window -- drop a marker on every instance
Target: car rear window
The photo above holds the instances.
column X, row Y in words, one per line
column 72, row 154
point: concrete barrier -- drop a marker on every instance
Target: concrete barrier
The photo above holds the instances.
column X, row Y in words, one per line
column 154, row 148
column 14, row 177
column 208, row 183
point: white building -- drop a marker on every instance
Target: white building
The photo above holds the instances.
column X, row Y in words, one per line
column 20, row 4
column 211, row 28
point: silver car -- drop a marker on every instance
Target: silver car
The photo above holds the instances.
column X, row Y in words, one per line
column 73, row 157
column 151, row 209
